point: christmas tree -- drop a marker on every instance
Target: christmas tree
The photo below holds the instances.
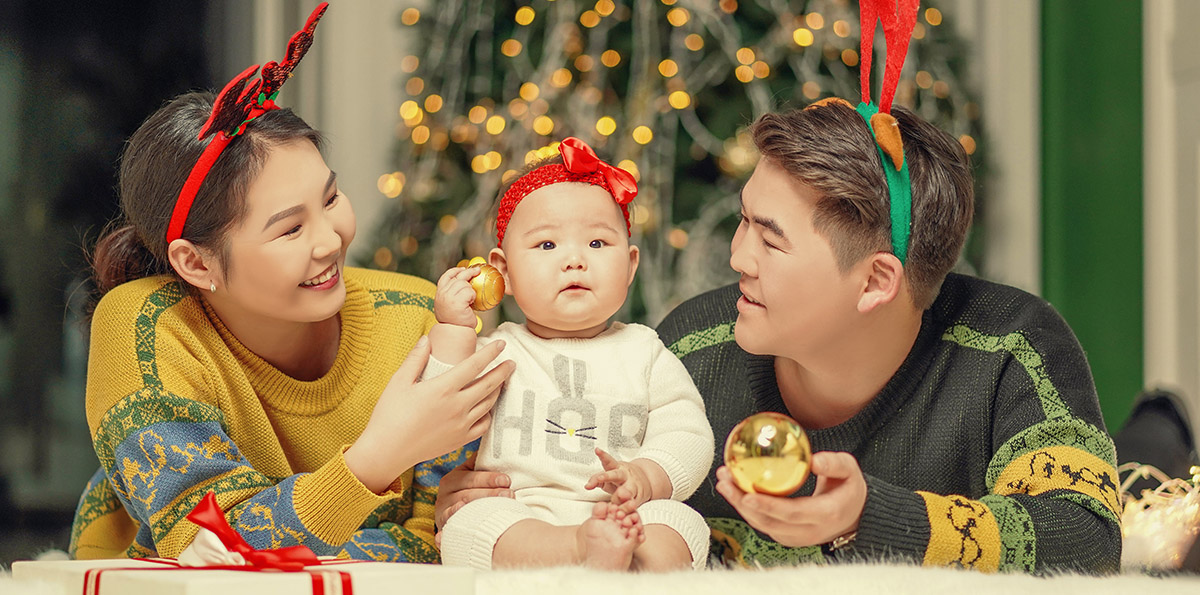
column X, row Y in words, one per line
column 664, row 89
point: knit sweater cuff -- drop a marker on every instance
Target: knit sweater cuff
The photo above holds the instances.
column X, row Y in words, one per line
column 332, row 502
column 435, row 368
column 891, row 524
column 685, row 521
column 684, row 477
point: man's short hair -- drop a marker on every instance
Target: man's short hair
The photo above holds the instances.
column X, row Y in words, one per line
column 831, row 149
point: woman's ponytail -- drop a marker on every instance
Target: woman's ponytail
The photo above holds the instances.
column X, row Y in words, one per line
column 120, row 256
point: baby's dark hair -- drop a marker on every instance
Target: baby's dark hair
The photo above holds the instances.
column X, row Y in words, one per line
column 154, row 165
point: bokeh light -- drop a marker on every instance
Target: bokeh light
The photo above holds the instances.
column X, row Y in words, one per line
column 606, row 125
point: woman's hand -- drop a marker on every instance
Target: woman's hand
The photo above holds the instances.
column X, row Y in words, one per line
column 465, row 484
column 416, row 421
column 452, row 302
column 833, row 510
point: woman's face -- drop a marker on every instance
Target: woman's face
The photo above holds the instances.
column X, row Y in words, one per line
column 285, row 258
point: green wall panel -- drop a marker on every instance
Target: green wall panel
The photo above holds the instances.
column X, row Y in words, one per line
column 1092, row 186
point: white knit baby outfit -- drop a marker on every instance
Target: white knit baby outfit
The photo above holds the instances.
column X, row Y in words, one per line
column 621, row 391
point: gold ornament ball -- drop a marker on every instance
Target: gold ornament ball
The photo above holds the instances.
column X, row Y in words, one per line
column 488, row 284
column 768, row 453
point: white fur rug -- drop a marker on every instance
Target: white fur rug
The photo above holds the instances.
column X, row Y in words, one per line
column 870, row 579
column 867, row 579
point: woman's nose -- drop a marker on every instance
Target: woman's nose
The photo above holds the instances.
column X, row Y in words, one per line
column 327, row 240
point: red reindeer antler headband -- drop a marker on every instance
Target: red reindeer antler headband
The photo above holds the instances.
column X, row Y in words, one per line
column 580, row 164
column 899, row 18
column 239, row 103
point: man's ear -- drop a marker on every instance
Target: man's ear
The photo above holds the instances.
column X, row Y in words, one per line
column 192, row 264
column 496, row 258
column 884, row 281
column 635, row 257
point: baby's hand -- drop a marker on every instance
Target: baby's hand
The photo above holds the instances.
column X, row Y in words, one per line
column 452, row 302
column 628, row 483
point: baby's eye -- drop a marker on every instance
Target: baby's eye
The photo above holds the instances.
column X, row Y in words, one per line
column 597, row 244
column 293, row 231
column 332, row 199
column 547, row 245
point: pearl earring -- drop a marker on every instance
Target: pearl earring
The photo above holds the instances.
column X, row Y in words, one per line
column 212, row 286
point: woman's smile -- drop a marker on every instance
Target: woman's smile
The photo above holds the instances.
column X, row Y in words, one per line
column 328, row 278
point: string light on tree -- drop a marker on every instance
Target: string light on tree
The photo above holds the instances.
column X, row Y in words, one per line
column 664, row 89
column 525, row 15
column 606, row 125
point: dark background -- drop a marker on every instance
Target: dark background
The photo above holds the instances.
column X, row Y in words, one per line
column 76, row 79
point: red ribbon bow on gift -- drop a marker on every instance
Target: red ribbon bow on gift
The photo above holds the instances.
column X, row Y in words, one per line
column 579, row 158
column 208, row 514
column 297, row 558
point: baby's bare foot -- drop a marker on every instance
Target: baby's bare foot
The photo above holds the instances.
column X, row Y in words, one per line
column 603, row 542
column 631, row 522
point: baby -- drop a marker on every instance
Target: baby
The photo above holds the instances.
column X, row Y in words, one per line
column 600, row 428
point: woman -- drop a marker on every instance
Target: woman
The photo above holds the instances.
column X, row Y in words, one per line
column 232, row 352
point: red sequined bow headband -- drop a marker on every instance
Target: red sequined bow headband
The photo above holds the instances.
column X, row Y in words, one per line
column 580, row 164
column 239, row 103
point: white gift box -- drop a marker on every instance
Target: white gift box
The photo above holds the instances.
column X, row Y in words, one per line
column 150, row 577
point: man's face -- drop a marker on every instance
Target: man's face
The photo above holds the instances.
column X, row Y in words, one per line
column 794, row 299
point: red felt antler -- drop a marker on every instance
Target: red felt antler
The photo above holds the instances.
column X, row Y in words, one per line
column 274, row 74
column 899, row 18
column 233, row 104
column 241, row 101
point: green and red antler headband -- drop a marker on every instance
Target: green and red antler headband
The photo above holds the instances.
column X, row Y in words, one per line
column 238, row 104
column 899, row 18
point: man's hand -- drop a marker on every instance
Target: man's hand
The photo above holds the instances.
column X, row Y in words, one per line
column 465, row 484
column 833, row 510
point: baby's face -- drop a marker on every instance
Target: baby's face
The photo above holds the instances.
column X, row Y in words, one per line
column 567, row 260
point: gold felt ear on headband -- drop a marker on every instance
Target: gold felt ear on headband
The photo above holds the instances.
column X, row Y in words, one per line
column 885, row 127
column 828, row 101
column 887, row 135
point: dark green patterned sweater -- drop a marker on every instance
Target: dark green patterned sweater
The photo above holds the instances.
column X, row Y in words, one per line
column 985, row 450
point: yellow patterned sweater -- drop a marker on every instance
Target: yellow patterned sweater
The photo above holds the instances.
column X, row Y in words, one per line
column 986, row 450
column 178, row 407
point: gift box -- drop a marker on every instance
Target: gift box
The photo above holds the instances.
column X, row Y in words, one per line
column 164, row 577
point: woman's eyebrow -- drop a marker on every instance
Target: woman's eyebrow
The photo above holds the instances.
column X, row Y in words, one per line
column 288, row 212
column 284, row 214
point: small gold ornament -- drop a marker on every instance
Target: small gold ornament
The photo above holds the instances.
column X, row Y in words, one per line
column 768, row 453
column 488, row 284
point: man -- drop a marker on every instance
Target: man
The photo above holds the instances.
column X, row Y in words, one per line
column 954, row 420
